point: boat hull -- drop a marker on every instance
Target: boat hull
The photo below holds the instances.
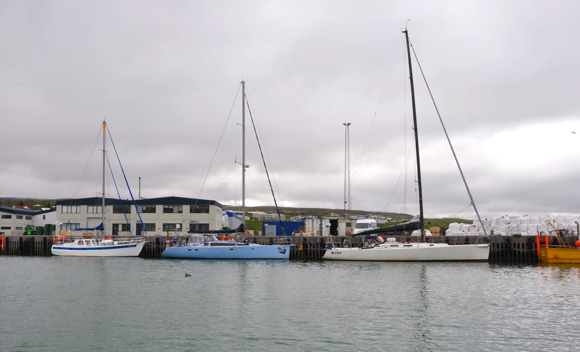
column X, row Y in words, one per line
column 415, row 252
column 229, row 252
column 121, row 250
column 560, row 255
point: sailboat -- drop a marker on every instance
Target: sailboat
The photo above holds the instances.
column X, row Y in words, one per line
column 206, row 245
column 375, row 248
column 95, row 246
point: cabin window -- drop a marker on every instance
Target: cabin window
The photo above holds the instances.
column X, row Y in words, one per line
column 6, row 216
column 71, row 209
column 19, row 217
column 147, row 209
column 95, row 209
column 44, row 217
column 177, row 209
column 199, row 209
column 118, row 209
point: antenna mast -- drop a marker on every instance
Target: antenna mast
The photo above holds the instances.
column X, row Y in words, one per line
column 347, row 200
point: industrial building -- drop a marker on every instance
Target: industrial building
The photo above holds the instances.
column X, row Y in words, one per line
column 14, row 220
column 159, row 215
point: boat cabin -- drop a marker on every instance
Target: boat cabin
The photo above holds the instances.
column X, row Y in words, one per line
column 371, row 241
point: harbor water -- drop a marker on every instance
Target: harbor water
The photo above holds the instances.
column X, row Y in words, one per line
column 135, row 304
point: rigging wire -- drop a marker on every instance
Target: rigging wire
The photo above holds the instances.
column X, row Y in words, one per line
column 448, row 139
column 267, row 174
column 377, row 109
column 80, row 185
column 118, row 194
column 126, row 181
column 217, row 148
column 396, row 184
column 249, row 103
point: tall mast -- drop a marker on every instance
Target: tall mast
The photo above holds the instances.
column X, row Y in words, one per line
column 421, row 219
column 244, row 154
column 347, row 202
column 104, row 156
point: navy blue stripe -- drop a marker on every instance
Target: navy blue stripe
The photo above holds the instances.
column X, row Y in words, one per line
column 94, row 248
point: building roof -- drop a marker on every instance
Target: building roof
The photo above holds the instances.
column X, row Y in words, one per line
column 20, row 211
column 148, row 201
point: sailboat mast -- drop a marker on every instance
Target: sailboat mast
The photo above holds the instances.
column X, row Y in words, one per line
column 421, row 219
column 244, row 154
column 104, row 156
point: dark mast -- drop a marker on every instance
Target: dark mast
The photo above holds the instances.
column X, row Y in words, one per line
column 421, row 219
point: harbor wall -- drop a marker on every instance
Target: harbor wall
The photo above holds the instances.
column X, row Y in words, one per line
column 504, row 249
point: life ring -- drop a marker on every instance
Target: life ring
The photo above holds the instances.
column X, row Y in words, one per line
column 348, row 233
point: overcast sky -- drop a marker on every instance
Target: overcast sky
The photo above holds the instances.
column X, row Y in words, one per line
column 165, row 76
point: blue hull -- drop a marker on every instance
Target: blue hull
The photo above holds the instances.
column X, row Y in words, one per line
column 229, row 252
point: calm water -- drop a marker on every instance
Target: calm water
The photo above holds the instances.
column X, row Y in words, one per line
column 128, row 304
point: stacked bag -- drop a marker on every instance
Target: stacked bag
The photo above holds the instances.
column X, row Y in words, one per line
column 516, row 225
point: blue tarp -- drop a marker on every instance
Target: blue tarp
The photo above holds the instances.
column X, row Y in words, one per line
column 100, row 228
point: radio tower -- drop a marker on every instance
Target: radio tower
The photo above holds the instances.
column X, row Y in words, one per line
column 347, row 200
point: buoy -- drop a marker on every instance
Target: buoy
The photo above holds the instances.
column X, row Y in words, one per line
column 223, row 238
column 577, row 243
column 229, row 238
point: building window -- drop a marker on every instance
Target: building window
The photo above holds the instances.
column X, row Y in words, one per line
column 70, row 226
column 44, row 217
column 71, row 209
column 95, row 209
column 6, row 227
column 173, row 209
column 28, row 217
column 199, row 227
column 18, row 228
column 6, row 216
column 172, row 227
column 199, row 209
column 118, row 209
column 149, row 227
column 150, row 209
column 19, row 217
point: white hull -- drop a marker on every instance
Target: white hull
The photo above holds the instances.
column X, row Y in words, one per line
column 119, row 250
column 413, row 252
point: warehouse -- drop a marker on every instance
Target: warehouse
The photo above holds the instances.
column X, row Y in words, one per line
column 14, row 220
column 159, row 215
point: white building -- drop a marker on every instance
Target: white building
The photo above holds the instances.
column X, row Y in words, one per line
column 13, row 221
column 159, row 215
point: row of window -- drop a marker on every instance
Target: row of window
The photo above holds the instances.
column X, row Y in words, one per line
column 166, row 227
column 146, row 209
column 126, row 227
column 71, row 209
column 9, row 227
column 19, row 217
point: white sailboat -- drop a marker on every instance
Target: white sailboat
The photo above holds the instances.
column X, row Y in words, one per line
column 376, row 249
column 96, row 246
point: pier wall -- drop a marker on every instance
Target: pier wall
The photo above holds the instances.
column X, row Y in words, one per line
column 504, row 249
